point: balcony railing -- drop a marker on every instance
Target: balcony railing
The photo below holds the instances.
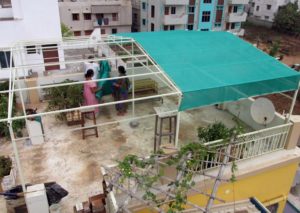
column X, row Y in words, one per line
column 176, row 2
column 175, row 19
column 237, row 17
column 239, row 32
column 238, row 1
column 249, row 145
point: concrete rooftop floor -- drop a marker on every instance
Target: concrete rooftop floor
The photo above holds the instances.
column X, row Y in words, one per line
column 74, row 163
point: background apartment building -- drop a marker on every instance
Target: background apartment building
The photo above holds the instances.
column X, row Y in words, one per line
column 262, row 12
column 204, row 15
column 83, row 16
column 22, row 21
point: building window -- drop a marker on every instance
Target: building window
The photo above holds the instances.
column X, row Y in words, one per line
column 135, row 17
column 167, row 10
column 205, row 16
column 191, row 9
column 207, row 1
column 144, row 5
column 88, row 32
column 115, row 17
column 152, row 11
column 77, row 33
column 173, row 10
column 190, row 27
column 205, row 29
column 31, row 49
column 75, row 16
column 144, row 21
column 87, row 16
column 103, row 31
column 152, row 27
column 218, row 25
column 166, row 27
column 220, row 7
column 172, row 27
column 232, row 26
column 114, row 31
column 257, row 8
column 267, row 17
column 5, row 4
column 5, row 59
column 99, row 15
column 253, row 4
column 235, row 9
column 269, row 7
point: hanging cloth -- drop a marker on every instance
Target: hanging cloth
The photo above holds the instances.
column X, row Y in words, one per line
column 106, row 21
column 99, row 21
column 106, row 85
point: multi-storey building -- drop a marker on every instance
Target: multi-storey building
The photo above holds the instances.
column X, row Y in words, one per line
column 20, row 22
column 263, row 12
column 83, row 16
column 204, row 15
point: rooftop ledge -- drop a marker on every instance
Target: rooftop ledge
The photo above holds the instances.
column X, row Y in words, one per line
column 252, row 166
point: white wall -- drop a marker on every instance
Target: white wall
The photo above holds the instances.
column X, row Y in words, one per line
column 263, row 11
column 32, row 20
column 40, row 21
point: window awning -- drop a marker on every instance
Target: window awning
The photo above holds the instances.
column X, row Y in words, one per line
column 215, row 67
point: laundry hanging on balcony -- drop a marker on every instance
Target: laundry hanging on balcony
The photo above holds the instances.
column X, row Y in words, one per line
column 106, row 21
column 99, row 21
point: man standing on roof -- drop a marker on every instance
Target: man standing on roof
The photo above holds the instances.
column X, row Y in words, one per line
column 91, row 65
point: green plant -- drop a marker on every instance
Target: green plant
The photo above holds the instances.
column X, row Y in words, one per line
column 287, row 19
column 189, row 159
column 17, row 125
column 213, row 132
column 274, row 48
column 64, row 97
column 66, row 31
column 5, row 166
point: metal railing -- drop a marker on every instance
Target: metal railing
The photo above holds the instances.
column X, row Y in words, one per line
column 249, row 145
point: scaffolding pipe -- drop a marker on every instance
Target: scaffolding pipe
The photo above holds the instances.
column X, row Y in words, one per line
column 16, row 153
column 219, row 176
column 88, row 107
column 80, row 82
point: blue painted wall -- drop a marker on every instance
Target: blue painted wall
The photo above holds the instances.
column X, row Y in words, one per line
column 207, row 7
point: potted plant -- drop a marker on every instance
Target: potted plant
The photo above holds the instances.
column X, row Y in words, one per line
column 5, row 168
column 66, row 97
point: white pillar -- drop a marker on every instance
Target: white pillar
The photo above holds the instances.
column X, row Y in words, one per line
column 293, row 104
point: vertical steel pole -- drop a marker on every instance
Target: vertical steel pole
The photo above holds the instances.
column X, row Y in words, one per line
column 178, row 123
column 293, row 104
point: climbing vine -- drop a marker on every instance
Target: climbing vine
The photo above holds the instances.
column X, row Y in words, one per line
column 189, row 159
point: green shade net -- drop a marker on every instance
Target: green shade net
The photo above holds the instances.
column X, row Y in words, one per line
column 215, row 67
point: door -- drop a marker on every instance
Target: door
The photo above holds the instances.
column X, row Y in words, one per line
column 50, row 54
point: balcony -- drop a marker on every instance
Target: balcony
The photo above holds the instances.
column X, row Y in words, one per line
column 237, row 17
column 6, row 13
column 238, row 1
column 175, row 19
column 238, row 32
column 176, row 2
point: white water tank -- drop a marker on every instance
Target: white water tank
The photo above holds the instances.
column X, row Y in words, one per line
column 36, row 199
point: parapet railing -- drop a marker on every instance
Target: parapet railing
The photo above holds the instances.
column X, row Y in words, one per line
column 249, row 145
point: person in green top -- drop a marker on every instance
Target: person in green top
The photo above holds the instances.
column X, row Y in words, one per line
column 120, row 91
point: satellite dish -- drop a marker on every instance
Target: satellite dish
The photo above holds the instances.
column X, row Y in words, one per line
column 262, row 111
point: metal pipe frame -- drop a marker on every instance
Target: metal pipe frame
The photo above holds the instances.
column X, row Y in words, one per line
column 18, row 49
column 293, row 104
